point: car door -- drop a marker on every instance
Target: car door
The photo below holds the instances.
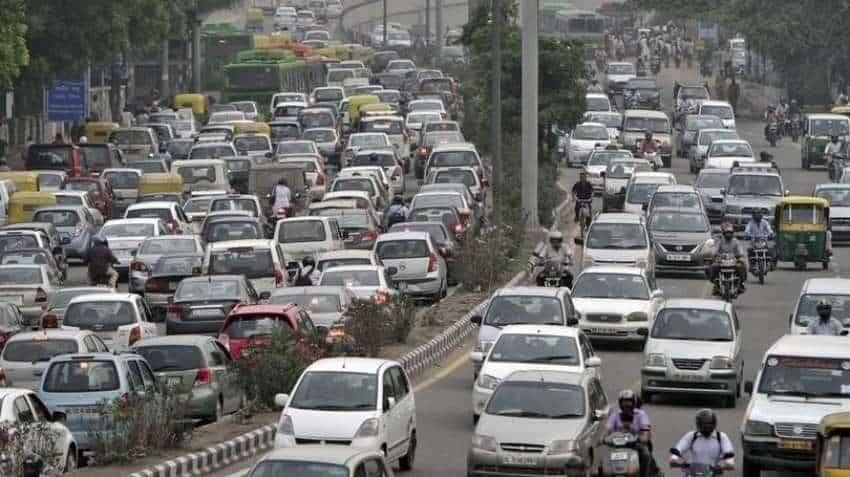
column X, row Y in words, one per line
column 335, row 234
column 42, row 414
column 391, row 414
column 405, row 404
column 148, row 327
column 219, row 363
column 134, row 373
column 601, row 408
column 736, row 353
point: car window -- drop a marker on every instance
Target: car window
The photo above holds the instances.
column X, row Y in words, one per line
column 23, row 410
column 91, row 347
column 586, row 348
column 306, row 323
column 135, row 375
column 38, row 407
column 388, row 389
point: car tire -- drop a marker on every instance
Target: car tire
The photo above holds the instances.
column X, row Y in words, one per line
column 751, row 469
column 406, row 462
column 70, row 460
column 475, row 418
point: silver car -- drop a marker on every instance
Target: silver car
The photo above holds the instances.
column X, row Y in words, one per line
column 57, row 301
column 326, row 139
column 151, row 249
column 26, row 355
column 694, row 347
column 539, row 423
column 710, row 183
column 682, row 239
column 420, row 269
column 341, row 461
column 125, row 236
column 27, row 287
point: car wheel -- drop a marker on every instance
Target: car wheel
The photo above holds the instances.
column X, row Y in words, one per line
column 70, row 460
column 406, row 461
column 475, row 418
column 751, row 469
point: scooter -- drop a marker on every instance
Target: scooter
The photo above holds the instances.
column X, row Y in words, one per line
column 551, row 276
column 621, row 458
column 772, row 134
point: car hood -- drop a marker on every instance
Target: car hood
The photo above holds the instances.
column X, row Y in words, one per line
column 503, row 370
column 839, row 212
column 681, row 238
column 615, row 255
column 604, row 305
column 794, row 409
column 753, row 201
column 529, row 431
column 690, row 349
column 587, row 143
column 329, row 425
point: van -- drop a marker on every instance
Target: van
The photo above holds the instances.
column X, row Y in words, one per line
column 802, row 379
column 833, row 289
column 301, row 237
column 56, row 157
column 202, row 174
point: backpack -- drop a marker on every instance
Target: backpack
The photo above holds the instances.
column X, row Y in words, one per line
column 719, row 443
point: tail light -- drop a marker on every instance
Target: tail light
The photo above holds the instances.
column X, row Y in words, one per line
column 382, row 298
column 480, row 173
column 432, row 262
column 224, row 340
column 278, row 277
column 464, row 216
column 397, row 172
column 457, row 228
column 175, row 226
column 173, row 312
column 320, row 179
column 40, row 295
column 3, row 337
column 203, row 377
column 368, row 235
column 135, row 334
column 156, row 285
column 49, row 321
column 138, row 266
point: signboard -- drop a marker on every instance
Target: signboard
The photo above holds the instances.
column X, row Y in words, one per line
column 66, row 100
column 707, row 31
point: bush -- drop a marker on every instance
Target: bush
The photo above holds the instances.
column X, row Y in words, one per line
column 366, row 323
column 479, row 268
column 402, row 318
column 25, row 439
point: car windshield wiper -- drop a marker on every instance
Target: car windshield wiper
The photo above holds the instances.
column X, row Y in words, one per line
column 566, row 415
column 517, row 413
column 551, row 358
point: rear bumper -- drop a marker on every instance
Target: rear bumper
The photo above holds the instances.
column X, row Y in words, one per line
column 422, row 287
column 178, row 327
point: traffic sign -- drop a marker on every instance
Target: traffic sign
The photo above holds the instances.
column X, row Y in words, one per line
column 66, row 100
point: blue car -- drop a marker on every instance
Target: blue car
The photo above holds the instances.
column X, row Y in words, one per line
column 79, row 384
column 76, row 226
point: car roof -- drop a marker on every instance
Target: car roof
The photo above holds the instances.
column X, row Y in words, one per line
column 698, row 303
column 715, row 102
column 561, row 377
column 334, row 254
column 730, row 141
column 618, row 217
column 675, row 188
column 350, row 268
column 173, row 340
column 197, row 162
column 354, row 365
column 833, row 285
column 527, row 291
column 385, row 237
column 812, row 346
column 264, row 308
column 50, row 333
column 114, row 296
column 144, row 220
column 154, row 204
column 456, row 146
column 646, row 113
column 254, row 243
column 96, row 356
column 647, row 176
column 591, row 123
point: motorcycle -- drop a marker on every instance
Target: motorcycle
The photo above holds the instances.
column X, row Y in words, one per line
column 835, row 166
column 760, row 264
column 796, row 128
column 772, row 134
column 553, row 276
column 584, row 214
column 622, row 458
column 700, row 470
column 706, row 70
column 654, row 158
column 728, row 282
column 655, row 64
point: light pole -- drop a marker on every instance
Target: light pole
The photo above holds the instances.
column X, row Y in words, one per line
column 530, row 135
column 496, row 101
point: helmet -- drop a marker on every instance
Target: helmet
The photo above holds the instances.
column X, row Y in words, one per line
column 398, row 200
column 84, row 140
column 706, row 417
column 556, row 236
column 824, row 305
column 32, row 465
column 757, row 213
column 99, row 239
column 627, row 395
column 834, row 138
column 727, row 227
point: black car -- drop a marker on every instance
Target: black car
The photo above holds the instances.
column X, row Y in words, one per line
column 201, row 304
column 642, row 93
column 165, row 275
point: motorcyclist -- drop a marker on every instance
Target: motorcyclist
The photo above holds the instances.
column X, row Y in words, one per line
column 648, row 146
column 728, row 246
column 397, row 212
column 634, row 421
column 594, row 86
column 759, row 228
column 582, row 191
column 308, row 265
column 706, row 445
column 826, row 324
column 101, row 259
column 831, row 152
column 560, row 258
column 794, row 109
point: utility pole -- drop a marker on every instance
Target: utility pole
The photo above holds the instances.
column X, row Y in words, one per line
column 438, row 26
column 496, row 124
column 530, row 136
column 384, row 43
column 163, row 74
column 196, row 52
column 427, row 24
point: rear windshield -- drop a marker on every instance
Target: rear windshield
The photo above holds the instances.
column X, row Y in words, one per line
column 295, row 148
column 251, row 262
column 465, row 177
column 437, row 200
column 82, row 186
column 98, row 157
column 15, row 242
column 454, row 159
column 323, row 119
column 397, row 249
column 69, row 200
column 11, row 276
column 130, row 137
column 127, row 230
column 36, row 350
column 248, row 205
column 192, row 174
column 435, row 230
column 24, row 258
column 166, row 245
column 172, row 357
column 59, row 218
column 122, row 180
column 198, row 290
column 238, row 230
column 280, row 132
column 99, row 315
column 353, row 184
column 341, row 262
column 383, row 160
column 210, row 152
column 185, row 266
column 149, row 166
column 249, row 326
column 302, row 231
column 350, row 278
column 251, row 143
column 330, row 94
column 307, row 165
column 320, row 135
column 162, row 214
column 384, row 126
column 79, row 376
column 368, row 140
column 49, row 157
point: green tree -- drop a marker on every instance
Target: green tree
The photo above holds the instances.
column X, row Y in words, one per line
column 14, row 54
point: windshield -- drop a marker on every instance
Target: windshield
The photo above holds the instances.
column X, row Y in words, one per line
column 708, row 137
column 714, row 180
column 616, row 236
column 122, row 180
column 678, row 222
column 807, row 308
column 180, row 149
column 639, row 124
column 641, row 192
column 37, row 350
column 624, row 169
column 166, row 245
column 14, row 276
column 590, row 133
column 829, row 127
column 130, row 137
column 320, row 135
column 350, row 278
column 164, row 358
column 536, row 348
column 312, row 302
column 612, row 286
column 282, row 132
column 251, row 143
column 519, row 310
column 302, row 231
column 248, row 261
column 80, row 376
column 602, row 158
column 202, row 290
column 421, row 118
column 621, row 69
column 835, row 197
column 197, row 205
column 401, row 249
column 609, row 120
column 433, row 139
column 742, row 184
column 99, row 315
column 389, row 97
column 211, row 152
column 537, row 399
column 336, row 391
column 730, row 149
column 275, row 468
column 697, row 122
column 805, row 376
column 722, row 112
column 59, row 218
column 128, row 230
column 692, row 324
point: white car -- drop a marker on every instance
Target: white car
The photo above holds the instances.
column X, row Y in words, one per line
column 420, row 268
column 617, row 75
column 393, row 127
column 597, row 102
column 287, row 97
column 358, row 141
column 616, row 303
column 260, row 261
column 386, row 159
column 26, row 354
column 725, row 153
column 327, row 93
column 125, row 235
column 400, row 66
column 358, row 402
column 23, row 406
column 597, row 163
column 340, row 258
column 721, row 109
column 226, row 117
column 617, row 239
column 835, row 290
column 119, row 319
column 421, row 105
column 368, row 282
column 314, row 170
column 585, row 138
column 301, row 237
column 527, row 347
column 169, row 213
column 640, row 188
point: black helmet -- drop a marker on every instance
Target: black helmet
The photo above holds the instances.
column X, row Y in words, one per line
column 706, row 416
column 398, row 200
column 824, row 305
column 627, row 395
column 32, row 465
column 834, row 138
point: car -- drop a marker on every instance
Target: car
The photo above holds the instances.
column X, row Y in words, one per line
column 638, row 122
column 186, row 130
column 151, row 249
column 212, row 150
column 338, row 258
column 200, row 304
column 614, row 303
column 460, row 188
column 429, row 141
column 325, row 305
column 539, row 420
column 387, row 159
column 251, row 325
column 470, row 177
column 250, row 144
column 612, row 120
column 416, row 121
column 687, row 95
column 327, row 93
column 359, row 228
column 317, row 178
column 378, row 389
column 25, row 355
column 418, row 105
column 103, row 198
column 617, row 176
column 520, row 306
column 58, row 299
column 597, row 102
column 295, row 148
column 22, row 407
column 545, row 348
column 449, row 216
column 467, row 211
column 787, row 401
column 164, row 275
column 231, row 225
column 617, row 239
column 169, row 213
column 835, row 290
column 324, row 460
column 682, row 240
column 441, row 238
column 617, row 76
column 642, row 93
column 597, row 165
column 250, row 109
column 78, row 384
column 689, row 128
column 83, row 199
column 392, row 126
column 76, row 227
column 751, row 188
column 400, row 66
column 226, row 117
column 327, row 140
column 728, row 153
column 694, row 347
column 242, row 202
column 710, row 184
column 362, row 199
column 100, row 156
column 583, row 140
column 376, row 172
column 641, row 187
column 153, row 164
column 300, row 237
column 35, row 256
column 699, row 148
column 119, row 319
column 420, row 268
column 367, row 282
column 260, row 260
column 721, row 109
column 27, row 287
column 681, row 196
column 360, row 140
column 838, row 196
column 11, row 322
column 197, row 369
column 125, row 235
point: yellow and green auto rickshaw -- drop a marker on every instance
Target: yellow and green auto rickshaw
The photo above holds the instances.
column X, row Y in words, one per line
column 25, row 181
column 23, row 204
column 198, row 102
column 98, row 132
column 802, row 231
column 831, row 446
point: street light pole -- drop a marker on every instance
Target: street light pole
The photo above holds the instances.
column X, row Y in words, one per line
column 384, row 44
column 530, row 135
column 496, row 102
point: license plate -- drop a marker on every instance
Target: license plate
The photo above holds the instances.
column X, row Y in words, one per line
column 619, row 456
column 207, row 313
column 514, row 459
column 794, row 444
column 689, row 377
column 602, row 331
column 174, row 381
column 679, row 258
column 13, row 299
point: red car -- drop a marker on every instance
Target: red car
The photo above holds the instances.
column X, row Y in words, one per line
column 102, row 192
column 253, row 325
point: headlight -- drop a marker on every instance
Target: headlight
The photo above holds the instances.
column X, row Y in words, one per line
column 637, row 316
column 488, row 382
column 285, row 427
column 722, row 362
column 561, row 447
column 483, row 346
column 656, row 360
column 758, row 428
column 369, row 428
column 485, row 443
column 706, row 246
column 732, row 209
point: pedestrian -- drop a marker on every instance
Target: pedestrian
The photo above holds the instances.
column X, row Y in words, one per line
column 733, row 93
column 58, row 139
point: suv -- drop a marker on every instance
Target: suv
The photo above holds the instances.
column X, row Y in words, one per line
column 751, row 188
column 636, row 123
column 834, row 289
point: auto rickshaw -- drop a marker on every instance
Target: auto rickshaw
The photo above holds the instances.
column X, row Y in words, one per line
column 160, row 183
column 196, row 101
column 833, row 430
column 251, row 127
column 23, row 204
column 842, row 110
column 376, row 109
column 802, row 231
column 354, row 105
column 25, row 181
column 98, row 132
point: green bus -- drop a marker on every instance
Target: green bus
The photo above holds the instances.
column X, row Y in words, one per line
column 262, row 74
column 220, row 47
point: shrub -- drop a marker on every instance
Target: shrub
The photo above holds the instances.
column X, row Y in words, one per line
column 478, row 267
column 25, row 439
column 402, row 318
column 366, row 323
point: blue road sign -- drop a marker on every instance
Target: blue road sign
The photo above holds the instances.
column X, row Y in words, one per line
column 66, row 100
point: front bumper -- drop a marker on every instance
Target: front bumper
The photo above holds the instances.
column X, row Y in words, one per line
column 765, row 452
column 681, row 261
column 840, row 233
column 482, row 463
column 622, row 331
column 714, row 382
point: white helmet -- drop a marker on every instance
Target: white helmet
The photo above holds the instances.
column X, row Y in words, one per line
column 556, row 236
column 84, row 140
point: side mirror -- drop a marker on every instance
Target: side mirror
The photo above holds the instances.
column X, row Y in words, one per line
column 578, row 240
column 265, row 295
column 748, row 387
column 58, row 416
column 599, row 414
column 642, row 332
column 476, row 319
column 269, row 155
column 134, row 252
column 280, row 400
column 572, row 321
column 657, row 294
column 787, row 192
column 593, row 362
column 392, row 271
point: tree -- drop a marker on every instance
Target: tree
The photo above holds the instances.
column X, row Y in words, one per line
column 14, row 54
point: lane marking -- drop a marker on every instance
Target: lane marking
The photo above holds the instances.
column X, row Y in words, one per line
column 446, row 371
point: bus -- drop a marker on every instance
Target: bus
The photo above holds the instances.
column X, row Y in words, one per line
column 583, row 26
column 220, row 48
column 259, row 79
